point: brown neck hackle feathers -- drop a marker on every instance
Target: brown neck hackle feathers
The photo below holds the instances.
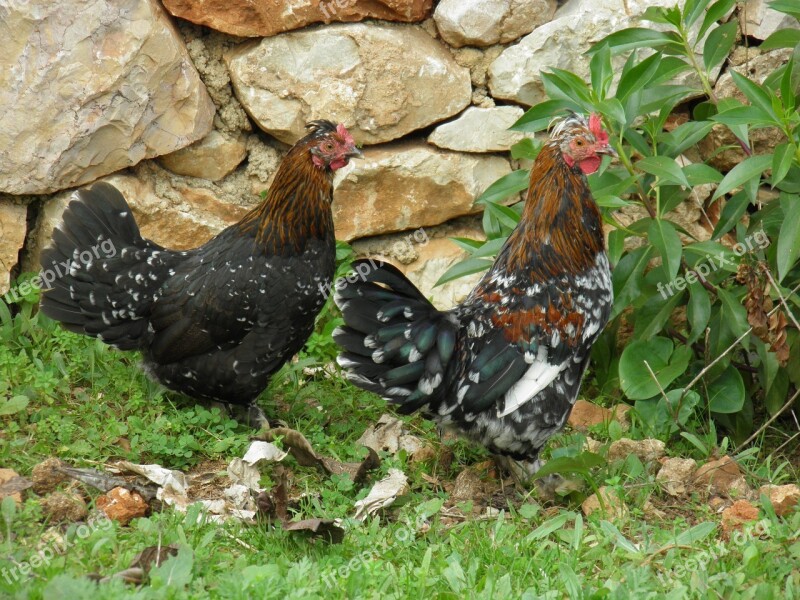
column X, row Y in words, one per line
column 297, row 207
column 561, row 228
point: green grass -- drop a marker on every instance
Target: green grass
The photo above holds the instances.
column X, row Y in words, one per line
column 67, row 396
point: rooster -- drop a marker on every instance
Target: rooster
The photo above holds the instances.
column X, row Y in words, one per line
column 217, row 321
column 504, row 367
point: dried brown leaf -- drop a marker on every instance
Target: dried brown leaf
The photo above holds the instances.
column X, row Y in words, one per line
column 153, row 556
column 325, row 529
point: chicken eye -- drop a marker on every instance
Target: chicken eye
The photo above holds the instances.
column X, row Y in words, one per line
column 327, row 146
column 579, row 142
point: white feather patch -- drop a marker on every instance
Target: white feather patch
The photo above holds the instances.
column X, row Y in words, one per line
column 538, row 376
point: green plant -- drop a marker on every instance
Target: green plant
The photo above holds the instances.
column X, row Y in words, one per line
column 735, row 350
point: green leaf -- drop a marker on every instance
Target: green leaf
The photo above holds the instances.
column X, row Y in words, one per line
column 719, row 43
column 538, row 117
column 616, row 245
column 506, row 186
column 726, row 392
column 674, row 411
column 750, row 168
column 464, row 268
column 733, row 312
column 733, row 210
column 634, row 37
column 685, row 136
column 695, row 534
column 715, row 12
column 8, row 509
column 548, row 527
column 638, row 76
column 783, row 38
column 782, row 162
column 526, row 148
column 568, row 83
column 13, row 405
column 790, row 80
column 568, row 465
column 756, row 94
column 504, row 215
column 490, row 248
column 627, row 278
column 635, row 379
column 698, row 311
column 664, row 237
column 467, row 244
column 715, row 255
column 701, row 173
column 744, row 115
column 654, row 314
column 788, row 7
column 620, row 541
column 665, row 168
column 692, row 11
column 175, row 572
column 601, row 71
column 789, row 238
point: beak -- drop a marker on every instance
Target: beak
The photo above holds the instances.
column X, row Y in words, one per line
column 353, row 152
column 608, row 149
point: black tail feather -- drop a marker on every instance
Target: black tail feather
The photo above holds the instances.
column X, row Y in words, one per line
column 395, row 342
column 98, row 274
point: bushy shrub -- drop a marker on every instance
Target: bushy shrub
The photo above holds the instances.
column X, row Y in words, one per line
column 700, row 326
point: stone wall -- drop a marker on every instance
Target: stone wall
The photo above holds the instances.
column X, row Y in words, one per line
column 188, row 105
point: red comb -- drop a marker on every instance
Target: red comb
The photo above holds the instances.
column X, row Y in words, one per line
column 596, row 127
column 345, row 136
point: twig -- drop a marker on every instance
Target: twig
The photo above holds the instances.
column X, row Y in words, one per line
column 653, row 375
column 772, row 419
column 708, row 367
column 786, row 443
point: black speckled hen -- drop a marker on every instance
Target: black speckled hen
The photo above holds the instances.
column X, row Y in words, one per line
column 504, row 367
column 217, row 321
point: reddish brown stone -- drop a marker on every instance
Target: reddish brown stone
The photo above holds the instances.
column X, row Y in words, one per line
column 585, row 414
column 721, row 476
column 734, row 517
column 122, row 505
column 261, row 18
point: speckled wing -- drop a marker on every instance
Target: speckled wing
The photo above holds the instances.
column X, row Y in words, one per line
column 518, row 341
column 212, row 300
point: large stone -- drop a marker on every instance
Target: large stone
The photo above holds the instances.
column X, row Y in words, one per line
column 479, row 130
column 759, row 21
column 90, row 87
column 562, row 43
column 262, row 18
column 213, row 157
column 381, row 81
column 13, row 227
column 481, row 23
column 409, row 185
